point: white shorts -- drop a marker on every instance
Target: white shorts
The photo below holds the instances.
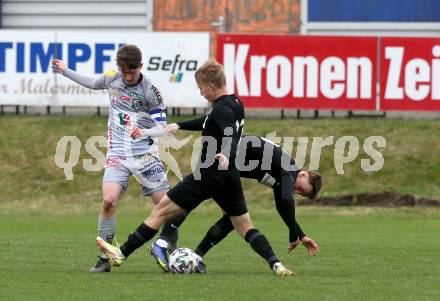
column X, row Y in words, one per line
column 147, row 169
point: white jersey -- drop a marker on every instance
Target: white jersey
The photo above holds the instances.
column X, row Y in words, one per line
column 139, row 105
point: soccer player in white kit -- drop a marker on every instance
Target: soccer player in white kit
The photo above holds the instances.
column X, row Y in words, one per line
column 137, row 116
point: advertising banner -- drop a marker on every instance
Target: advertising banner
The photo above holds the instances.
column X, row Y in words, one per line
column 26, row 78
column 301, row 72
column 337, row 73
column 410, row 74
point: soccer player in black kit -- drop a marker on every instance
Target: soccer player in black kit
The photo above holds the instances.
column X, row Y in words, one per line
column 274, row 168
column 266, row 162
column 216, row 175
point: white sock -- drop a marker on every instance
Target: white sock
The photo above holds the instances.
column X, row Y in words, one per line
column 162, row 243
column 276, row 265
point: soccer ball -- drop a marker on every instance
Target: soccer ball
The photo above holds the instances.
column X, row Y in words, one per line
column 183, row 261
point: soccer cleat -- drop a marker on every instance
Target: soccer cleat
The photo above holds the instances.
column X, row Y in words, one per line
column 281, row 271
column 103, row 265
column 201, row 267
column 113, row 253
column 160, row 255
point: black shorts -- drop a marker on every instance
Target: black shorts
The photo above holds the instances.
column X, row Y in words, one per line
column 223, row 186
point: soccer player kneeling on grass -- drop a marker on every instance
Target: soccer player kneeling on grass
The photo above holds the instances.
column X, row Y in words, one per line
column 215, row 177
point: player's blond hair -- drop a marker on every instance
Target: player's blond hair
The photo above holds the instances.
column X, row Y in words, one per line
column 211, row 72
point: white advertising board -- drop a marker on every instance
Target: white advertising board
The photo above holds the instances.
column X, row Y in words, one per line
column 26, row 78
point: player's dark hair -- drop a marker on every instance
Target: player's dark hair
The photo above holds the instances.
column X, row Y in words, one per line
column 128, row 57
column 315, row 180
column 211, row 72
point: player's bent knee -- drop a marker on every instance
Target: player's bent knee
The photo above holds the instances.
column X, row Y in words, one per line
column 158, row 196
column 162, row 212
column 109, row 201
column 166, row 209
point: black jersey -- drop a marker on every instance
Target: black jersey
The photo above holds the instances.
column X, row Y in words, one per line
column 223, row 126
column 272, row 161
column 275, row 169
column 224, row 123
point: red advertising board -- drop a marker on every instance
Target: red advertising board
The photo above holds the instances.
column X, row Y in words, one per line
column 305, row 72
column 410, row 74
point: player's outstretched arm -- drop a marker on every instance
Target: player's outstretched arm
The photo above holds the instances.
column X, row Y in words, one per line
column 286, row 208
column 58, row 66
column 193, row 124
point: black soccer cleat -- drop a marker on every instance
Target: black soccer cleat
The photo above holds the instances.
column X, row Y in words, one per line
column 102, row 266
column 201, row 267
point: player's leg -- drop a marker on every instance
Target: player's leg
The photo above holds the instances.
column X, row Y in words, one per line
column 107, row 222
column 259, row 243
column 170, row 234
column 151, row 174
column 114, row 182
column 185, row 196
column 146, row 231
column 158, row 248
column 215, row 234
column 157, row 196
column 161, row 212
column 233, row 203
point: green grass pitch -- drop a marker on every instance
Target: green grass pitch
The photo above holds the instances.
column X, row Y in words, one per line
column 366, row 254
column 48, row 225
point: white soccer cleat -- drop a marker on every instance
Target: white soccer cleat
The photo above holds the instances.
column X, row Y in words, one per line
column 281, row 271
column 113, row 253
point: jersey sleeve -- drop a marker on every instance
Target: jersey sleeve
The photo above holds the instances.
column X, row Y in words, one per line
column 98, row 83
column 286, row 207
column 156, row 107
column 193, row 124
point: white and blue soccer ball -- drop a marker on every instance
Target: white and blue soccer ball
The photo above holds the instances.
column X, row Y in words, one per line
column 183, row 261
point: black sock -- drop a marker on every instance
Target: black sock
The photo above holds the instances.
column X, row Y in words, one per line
column 135, row 240
column 214, row 235
column 169, row 230
column 261, row 245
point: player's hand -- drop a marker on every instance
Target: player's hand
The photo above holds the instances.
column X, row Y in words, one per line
column 293, row 245
column 223, row 162
column 58, row 66
column 172, row 128
column 311, row 245
column 136, row 132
